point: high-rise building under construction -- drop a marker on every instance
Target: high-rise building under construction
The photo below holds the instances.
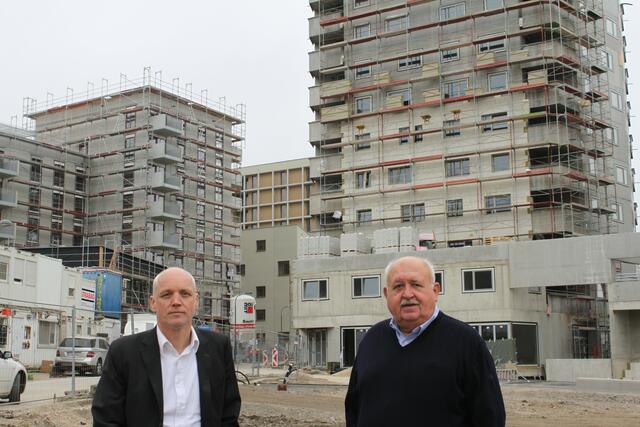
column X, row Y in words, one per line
column 472, row 120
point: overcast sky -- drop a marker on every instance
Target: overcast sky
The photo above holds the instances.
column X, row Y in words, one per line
column 249, row 51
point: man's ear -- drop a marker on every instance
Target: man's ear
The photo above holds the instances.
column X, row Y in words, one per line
column 384, row 291
column 437, row 288
column 152, row 303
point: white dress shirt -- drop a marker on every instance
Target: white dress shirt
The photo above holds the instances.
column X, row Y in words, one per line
column 180, row 387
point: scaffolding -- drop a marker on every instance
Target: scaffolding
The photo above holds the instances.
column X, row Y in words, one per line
column 162, row 176
column 481, row 124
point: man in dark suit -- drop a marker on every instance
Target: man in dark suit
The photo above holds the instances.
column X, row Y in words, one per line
column 171, row 375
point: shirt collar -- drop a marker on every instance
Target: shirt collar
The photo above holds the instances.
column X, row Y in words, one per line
column 165, row 344
column 418, row 329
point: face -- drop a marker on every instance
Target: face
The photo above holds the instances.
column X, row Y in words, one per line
column 411, row 297
column 174, row 300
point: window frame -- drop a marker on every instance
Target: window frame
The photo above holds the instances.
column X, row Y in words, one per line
column 492, row 75
column 359, row 33
column 474, row 270
column 358, row 100
column 450, row 8
column 303, row 282
column 365, row 181
column 496, row 208
column 261, row 245
column 453, row 84
column 457, row 210
column 622, row 175
column 410, row 62
column 490, row 127
column 441, row 281
column 412, row 215
column 403, row 23
column 361, row 296
column 358, row 72
column 464, row 167
column 500, row 156
column 360, row 212
column 404, row 175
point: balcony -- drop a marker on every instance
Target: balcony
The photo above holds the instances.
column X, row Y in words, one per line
column 320, row 132
column 331, row 114
column 165, row 152
column 9, row 168
column 164, row 210
column 164, row 240
column 7, row 231
column 164, row 182
column 165, row 125
column 335, row 88
column 8, row 199
column 314, row 97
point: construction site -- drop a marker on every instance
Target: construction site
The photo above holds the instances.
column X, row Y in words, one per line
column 473, row 122
column 133, row 176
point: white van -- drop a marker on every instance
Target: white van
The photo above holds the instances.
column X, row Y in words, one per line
column 141, row 322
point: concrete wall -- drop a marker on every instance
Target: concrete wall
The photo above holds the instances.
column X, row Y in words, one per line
column 568, row 370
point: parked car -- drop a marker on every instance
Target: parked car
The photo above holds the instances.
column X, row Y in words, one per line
column 89, row 353
column 13, row 377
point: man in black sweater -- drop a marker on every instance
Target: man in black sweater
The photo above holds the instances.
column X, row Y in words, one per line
column 421, row 367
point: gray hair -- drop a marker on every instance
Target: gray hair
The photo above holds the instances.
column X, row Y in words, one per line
column 156, row 280
column 425, row 261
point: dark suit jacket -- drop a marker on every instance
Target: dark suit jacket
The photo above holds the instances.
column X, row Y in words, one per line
column 129, row 392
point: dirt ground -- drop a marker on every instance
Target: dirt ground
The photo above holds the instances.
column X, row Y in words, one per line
column 529, row 405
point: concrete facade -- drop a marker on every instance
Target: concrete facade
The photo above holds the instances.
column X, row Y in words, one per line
column 521, row 300
column 265, row 274
column 276, row 194
column 145, row 171
column 436, row 113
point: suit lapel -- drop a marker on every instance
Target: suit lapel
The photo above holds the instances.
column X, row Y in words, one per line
column 150, row 352
column 203, row 357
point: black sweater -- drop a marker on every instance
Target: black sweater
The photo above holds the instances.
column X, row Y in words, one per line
column 445, row 377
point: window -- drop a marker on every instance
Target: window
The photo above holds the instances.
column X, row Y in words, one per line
column 36, row 170
column 57, row 200
column 364, row 216
column 34, row 196
column 492, row 332
column 607, row 59
column 451, row 127
column 363, row 105
column 241, row 269
column 217, row 194
column 454, row 208
column 127, row 200
column 362, row 72
column 58, row 174
column 363, row 179
column 129, row 120
column 200, row 208
column 617, row 214
column 130, row 155
column 217, row 213
column 493, row 4
column 457, row 167
column 410, row 62
column 219, row 139
column 128, row 179
column 202, row 133
column 492, row 45
column 418, row 137
column 616, row 100
column 363, row 145
column 497, row 81
column 449, row 55
column 404, row 95
column 412, row 213
column 611, row 27
column 366, row 287
column 261, row 315
column 81, row 180
column 360, row 3
column 477, row 280
column 361, row 31
column 4, row 328
column 199, row 268
column 4, row 267
column 201, row 155
column 440, row 279
column 401, row 175
column 454, row 88
column 500, row 162
column 56, row 221
column 500, row 203
column 396, row 23
column 47, row 333
column 314, row 289
column 200, row 190
column 78, row 203
column 493, row 125
column 404, row 132
column 261, row 245
column 621, row 175
column 452, row 11
column 283, row 268
column 611, row 134
column 56, row 238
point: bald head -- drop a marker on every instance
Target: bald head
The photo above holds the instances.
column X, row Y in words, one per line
column 173, row 273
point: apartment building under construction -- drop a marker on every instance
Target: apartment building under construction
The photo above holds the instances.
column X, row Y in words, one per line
column 473, row 120
column 144, row 168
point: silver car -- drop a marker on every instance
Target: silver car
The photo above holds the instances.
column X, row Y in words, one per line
column 13, row 377
column 89, row 354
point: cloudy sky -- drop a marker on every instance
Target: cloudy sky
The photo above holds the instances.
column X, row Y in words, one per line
column 248, row 51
